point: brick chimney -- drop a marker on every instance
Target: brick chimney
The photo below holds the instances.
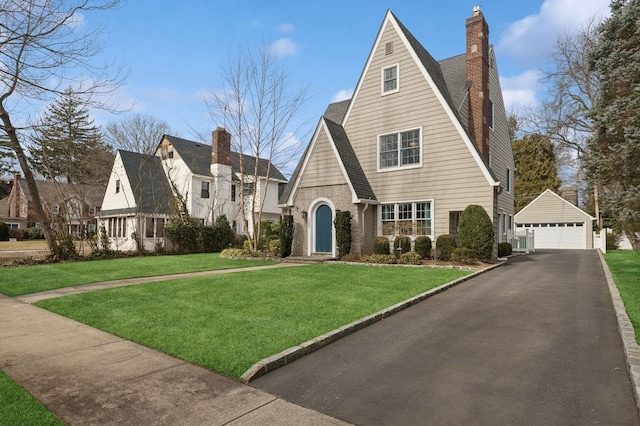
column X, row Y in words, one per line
column 221, row 147
column 478, row 76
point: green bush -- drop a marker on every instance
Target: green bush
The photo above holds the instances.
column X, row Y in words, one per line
column 231, row 253
column 401, row 242
column 411, row 258
column 444, row 246
column 351, row 257
column 185, row 237
column 225, row 235
column 504, row 249
column 274, row 247
column 476, row 231
column 387, row 259
column 342, row 224
column 381, row 245
column 464, row 255
column 4, row 232
column 286, row 235
column 35, row 233
column 423, row 246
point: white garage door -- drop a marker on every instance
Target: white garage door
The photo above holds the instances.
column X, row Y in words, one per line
column 568, row 235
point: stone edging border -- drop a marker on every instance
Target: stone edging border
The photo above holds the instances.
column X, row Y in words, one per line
column 627, row 334
column 273, row 362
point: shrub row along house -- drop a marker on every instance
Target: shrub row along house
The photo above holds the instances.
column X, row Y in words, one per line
column 143, row 190
column 418, row 142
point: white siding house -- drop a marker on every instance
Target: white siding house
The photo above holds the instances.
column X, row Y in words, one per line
column 141, row 193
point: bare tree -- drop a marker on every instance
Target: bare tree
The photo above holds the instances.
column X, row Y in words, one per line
column 137, row 133
column 43, row 51
column 258, row 103
column 572, row 87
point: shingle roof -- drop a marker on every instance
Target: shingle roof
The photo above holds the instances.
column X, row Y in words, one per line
column 197, row 156
column 430, row 64
column 454, row 71
column 348, row 157
column 336, row 111
column 350, row 162
column 53, row 192
column 148, row 181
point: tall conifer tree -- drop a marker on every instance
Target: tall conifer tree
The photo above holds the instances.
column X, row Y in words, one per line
column 614, row 160
column 535, row 163
column 67, row 145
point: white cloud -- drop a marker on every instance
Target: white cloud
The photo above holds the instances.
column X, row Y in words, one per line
column 284, row 47
column 520, row 90
column 530, row 39
column 286, row 28
column 342, row 95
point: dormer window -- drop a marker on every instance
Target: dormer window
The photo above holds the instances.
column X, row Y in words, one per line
column 390, row 79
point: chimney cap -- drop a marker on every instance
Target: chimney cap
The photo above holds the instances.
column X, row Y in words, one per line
column 476, row 10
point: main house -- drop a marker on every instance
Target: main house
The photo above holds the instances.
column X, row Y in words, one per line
column 418, row 142
column 143, row 190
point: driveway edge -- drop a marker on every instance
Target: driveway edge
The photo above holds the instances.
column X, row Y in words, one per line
column 627, row 334
column 273, row 362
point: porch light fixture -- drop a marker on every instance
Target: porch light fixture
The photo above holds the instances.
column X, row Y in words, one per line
column 304, row 215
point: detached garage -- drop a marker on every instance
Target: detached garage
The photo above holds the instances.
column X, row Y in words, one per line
column 557, row 224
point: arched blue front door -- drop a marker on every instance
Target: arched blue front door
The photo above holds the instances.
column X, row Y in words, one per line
column 323, row 229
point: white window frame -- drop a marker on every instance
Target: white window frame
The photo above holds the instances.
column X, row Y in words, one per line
column 384, row 92
column 399, row 209
column 399, row 148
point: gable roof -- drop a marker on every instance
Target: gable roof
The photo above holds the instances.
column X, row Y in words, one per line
column 361, row 191
column 556, row 198
column 151, row 189
column 197, row 156
column 454, row 72
column 54, row 192
column 435, row 78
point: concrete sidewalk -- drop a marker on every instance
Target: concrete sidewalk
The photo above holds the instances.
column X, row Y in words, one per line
column 88, row 377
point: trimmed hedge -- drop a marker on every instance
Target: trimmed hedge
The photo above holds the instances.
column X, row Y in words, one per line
column 504, row 249
column 286, row 235
column 464, row 255
column 381, row 245
column 422, row 246
column 476, row 231
column 411, row 258
column 403, row 242
column 342, row 223
column 445, row 244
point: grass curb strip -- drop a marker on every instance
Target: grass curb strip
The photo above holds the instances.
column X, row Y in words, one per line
column 627, row 334
column 273, row 362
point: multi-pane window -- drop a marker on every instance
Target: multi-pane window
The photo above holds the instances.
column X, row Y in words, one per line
column 405, row 153
column 233, row 192
column 247, row 188
column 410, row 218
column 204, row 190
column 390, row 79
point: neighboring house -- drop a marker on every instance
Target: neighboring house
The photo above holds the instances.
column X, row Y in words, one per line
column 73, row 206
column 140, row 194
column 418, row 142
column 556, row 222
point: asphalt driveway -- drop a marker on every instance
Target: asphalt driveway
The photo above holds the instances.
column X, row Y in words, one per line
column 533, row 342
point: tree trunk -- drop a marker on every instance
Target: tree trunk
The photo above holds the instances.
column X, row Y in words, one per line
column 31, row 183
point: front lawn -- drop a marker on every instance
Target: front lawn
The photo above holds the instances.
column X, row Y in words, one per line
column 16, row 281
column 625, row 268
column 228, row 322
column 18, row 407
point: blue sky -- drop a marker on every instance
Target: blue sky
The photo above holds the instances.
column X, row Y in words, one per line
column 175, row 49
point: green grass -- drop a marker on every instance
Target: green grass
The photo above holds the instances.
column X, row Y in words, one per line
column 228, row 322
column 625, row 268
column 16, row 281
column 18, row 407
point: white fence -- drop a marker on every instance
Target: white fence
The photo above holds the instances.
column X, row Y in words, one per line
column 522, row 241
